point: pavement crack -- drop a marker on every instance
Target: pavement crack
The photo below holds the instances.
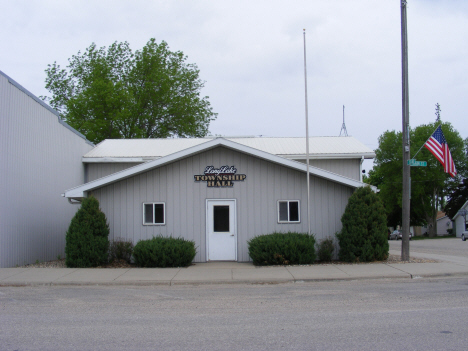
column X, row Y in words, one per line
column 121, row 274
column 292, row 275
column 337, row 267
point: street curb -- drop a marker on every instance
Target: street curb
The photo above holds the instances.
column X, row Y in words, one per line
column 196, row 283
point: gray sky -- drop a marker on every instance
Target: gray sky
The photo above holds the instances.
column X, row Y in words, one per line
column 250, row 53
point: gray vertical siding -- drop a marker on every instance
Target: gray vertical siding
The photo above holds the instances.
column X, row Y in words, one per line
column 98, row 170
column 185, row 199
column 349, row 168
column 39, row 158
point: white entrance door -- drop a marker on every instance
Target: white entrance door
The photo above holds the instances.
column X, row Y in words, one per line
column 221, row 230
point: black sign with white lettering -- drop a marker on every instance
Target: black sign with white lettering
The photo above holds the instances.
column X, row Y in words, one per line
column 221, row 177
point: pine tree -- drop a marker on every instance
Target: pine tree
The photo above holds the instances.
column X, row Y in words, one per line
column 87, row 240
column 364, row 234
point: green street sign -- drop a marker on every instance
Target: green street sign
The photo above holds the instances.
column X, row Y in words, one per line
column 414, row 163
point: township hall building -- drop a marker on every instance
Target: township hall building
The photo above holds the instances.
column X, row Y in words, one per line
column 219, row 192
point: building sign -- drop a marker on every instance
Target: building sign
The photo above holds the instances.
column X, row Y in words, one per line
column 224, row 176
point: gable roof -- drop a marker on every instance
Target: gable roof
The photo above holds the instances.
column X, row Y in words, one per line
column 80, row 191
column 465, row 206
column 139, row 150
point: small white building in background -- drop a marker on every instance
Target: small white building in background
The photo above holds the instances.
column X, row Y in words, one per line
column 40, row 156
column 443, row 224
column 459, row 221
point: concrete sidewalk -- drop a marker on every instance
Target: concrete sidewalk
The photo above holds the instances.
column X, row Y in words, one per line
column 232, row 272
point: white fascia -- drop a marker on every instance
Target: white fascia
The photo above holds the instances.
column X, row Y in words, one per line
column 330, row 156
column 117, row 159
column 81, row 191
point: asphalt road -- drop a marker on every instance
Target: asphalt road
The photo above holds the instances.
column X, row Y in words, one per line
column 353, row 315
column 447, row 247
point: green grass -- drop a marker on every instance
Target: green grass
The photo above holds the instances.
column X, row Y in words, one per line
column 422, row 237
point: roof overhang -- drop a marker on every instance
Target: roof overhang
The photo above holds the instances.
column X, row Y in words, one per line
column 117, row 159
column 330, row 156
column 82, row 190
column 464, row 206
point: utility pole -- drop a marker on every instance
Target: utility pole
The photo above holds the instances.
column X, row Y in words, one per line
column 406, row 140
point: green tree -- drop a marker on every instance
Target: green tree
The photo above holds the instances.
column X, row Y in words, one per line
column 87, row 240
column 364, row 234
column 429, row 185
column 457, row 195
column 115, row 93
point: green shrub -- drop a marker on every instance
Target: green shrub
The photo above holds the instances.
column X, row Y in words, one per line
column 325, row 250
column 164, row 252
column 282, row 248
column 363, row 237
column 120, row 249
column 87, row 240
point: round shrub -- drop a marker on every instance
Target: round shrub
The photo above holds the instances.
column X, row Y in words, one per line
column 282, row 249
column 87, row 240
column 363, row 237
column 164, row 252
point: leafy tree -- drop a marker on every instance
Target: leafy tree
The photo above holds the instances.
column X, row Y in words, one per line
column 87, row 240
column 429, row 185
column 115, row 93
column 457, row 196
column 364, row 234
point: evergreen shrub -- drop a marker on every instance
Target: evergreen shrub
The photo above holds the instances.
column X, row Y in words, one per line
column 282, row 249
column 164, row 252
column 87, row 240
column 363, row 237
column 325, row 250
column 120, row 249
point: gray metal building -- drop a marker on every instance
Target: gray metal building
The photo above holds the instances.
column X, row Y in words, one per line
column 40, row 156
column 217, row 192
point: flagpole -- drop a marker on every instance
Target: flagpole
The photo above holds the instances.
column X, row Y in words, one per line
column 307, row 138
column 425, row 142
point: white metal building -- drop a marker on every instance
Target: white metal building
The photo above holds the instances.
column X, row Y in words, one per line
column 221, row 192
column 39, row 157
column 459, row 221
column 218, row 192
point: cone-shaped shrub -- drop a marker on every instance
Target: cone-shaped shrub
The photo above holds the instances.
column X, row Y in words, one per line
column 87, row 240
column 364, row 234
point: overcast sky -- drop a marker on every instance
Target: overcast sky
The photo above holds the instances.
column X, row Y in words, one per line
column 250, row 53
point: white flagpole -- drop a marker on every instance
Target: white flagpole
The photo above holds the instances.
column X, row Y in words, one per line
column 307, row 138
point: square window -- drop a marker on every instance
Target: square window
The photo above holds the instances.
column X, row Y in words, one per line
column 154, row 213
column 288, row 211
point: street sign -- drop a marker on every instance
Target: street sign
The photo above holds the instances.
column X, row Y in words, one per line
column 414, row 163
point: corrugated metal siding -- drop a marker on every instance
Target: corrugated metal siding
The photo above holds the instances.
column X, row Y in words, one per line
column 185, row 200
column 348, row 167
column 98, row 170
column 39, row 158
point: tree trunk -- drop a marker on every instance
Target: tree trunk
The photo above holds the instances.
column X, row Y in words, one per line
column 432, row 220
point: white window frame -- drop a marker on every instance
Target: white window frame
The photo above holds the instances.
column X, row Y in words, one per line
column 154, row 203
column 289, row 212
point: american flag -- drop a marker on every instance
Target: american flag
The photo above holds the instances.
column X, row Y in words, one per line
column 437, row 145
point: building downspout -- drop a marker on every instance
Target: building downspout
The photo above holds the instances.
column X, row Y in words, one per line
column 360, row 168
